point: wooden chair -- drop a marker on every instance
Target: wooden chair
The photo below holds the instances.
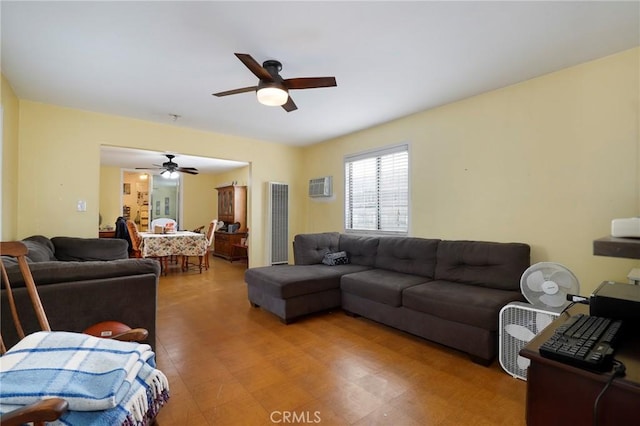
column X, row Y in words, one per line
column 244, row 246
column 136, row 242
column 163, row 221
column 52, row 409
column 136, row 239
column 210, row 233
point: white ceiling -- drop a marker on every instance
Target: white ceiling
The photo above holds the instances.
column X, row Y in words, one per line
column 149, row 60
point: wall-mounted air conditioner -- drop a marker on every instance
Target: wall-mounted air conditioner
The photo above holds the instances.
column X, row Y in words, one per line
column 321, row 187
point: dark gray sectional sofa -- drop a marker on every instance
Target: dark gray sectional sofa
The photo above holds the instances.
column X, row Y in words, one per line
column 81, row 282
column 450, row 292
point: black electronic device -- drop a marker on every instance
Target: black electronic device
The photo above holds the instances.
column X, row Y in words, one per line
column 615, row 300
column 584, row 341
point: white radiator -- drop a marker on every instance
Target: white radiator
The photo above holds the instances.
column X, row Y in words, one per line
column 277, row 223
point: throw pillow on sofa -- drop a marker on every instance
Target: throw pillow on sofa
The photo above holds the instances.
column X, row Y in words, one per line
column 337, row 258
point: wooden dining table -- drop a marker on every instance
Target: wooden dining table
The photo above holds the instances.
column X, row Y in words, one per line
column 179, row 243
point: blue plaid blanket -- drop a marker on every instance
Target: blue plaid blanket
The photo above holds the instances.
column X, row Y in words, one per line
column 105, row 381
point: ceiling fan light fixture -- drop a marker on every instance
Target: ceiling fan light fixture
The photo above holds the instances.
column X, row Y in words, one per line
column 170, row 174
column 271, row 94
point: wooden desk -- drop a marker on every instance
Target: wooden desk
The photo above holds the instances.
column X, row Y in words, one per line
column 559, row 394
column 107, row 234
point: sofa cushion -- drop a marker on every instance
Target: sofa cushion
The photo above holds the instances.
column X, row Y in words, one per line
column 309, row 249
column 360, row 249
column 41, row 249
column 287, row 281
column 415, row 256
column 467, row 304
column 87, row 249
column 487, row 264
column 379, row 285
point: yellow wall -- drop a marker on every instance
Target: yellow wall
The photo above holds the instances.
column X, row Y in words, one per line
column 200, row 202
column 548, row 162
column 110, row 204
column 58, row 145
column 9, row 166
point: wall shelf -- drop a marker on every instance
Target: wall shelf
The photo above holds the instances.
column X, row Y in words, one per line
column 617, row 247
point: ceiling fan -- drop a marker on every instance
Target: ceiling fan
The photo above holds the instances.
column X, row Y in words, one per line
column 170, row 168
column 272, row 90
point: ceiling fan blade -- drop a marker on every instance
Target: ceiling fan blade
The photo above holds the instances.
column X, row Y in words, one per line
column 236, row 91
column 290, row 105
column 190, row 170
column 309, row 82
column 254, row 67
column 148, row 168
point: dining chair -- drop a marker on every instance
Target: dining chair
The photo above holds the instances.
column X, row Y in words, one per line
column 136, row 243
column 162, row 222
column 210, row 233
column 209, row 236
column 40, row 349
column 136, row 239
column 243, row 245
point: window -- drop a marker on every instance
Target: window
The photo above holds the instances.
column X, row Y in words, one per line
column 377, row 191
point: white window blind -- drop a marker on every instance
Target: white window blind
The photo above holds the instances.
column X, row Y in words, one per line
column 377, row 191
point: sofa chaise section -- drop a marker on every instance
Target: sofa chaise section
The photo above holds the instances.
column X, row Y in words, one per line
column 308, row 286
column 290, row 291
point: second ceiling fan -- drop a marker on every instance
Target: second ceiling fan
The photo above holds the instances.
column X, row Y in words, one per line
column 272, row 89
column 170, row 168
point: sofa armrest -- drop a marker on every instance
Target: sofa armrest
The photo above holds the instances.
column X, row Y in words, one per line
column 75, row 306
column 87, row 249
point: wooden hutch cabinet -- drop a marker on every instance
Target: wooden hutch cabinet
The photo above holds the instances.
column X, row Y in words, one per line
column 232, row 208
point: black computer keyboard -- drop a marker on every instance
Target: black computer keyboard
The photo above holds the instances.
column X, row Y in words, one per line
column 584, row 341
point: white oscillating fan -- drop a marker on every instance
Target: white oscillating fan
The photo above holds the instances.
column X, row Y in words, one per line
column 546, row 286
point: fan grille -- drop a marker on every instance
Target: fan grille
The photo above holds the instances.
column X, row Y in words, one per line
column 520, row 315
